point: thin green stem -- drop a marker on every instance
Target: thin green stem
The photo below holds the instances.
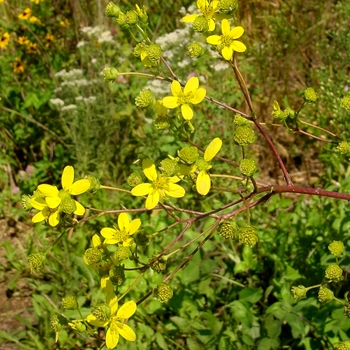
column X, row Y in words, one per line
column 114, row 189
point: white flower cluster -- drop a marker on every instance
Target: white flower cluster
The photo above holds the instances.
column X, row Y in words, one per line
column 57, row 102
column 97, row 32
column 86, row 100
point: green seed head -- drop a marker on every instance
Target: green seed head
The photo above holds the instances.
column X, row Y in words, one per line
column 26, row 202
column 70, row 303
column 117, row 275
column 141, row 239
column 110, row 74
column 68, row 205
column 344, row 148
column 161, row 123
column 298, row 292
column 200, row 24
column 345, row 103
column 145, row 98
column 244, row 135
column 248, row 236
column 134, row 179
column 195, row 50
column 344, row 345
column 188, row 154
column 57, row 323
column 36, row 261
column 228, row 229
column 159, row 265
column 325, row 295
column 112, row 10
column 240, row 121
column 163, row 292
column 122, row 253
column 102, row 312
column 309, row 95
column 336, row 248
column 248, row 167
column 92, row 256
column 169, row 167
column 154, row 53
column 227, row 6
column 334, row 273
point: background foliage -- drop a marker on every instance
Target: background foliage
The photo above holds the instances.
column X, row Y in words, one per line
column 228, row 296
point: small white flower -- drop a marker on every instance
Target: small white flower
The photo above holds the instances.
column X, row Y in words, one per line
column 69, row 108
column 57, row 102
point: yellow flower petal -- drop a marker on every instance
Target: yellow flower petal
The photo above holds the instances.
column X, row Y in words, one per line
column 152, row 200
column 212, row 149
column 54, row 219
column 134, row 226
column 112, row 336
column 176, row 88
column 203, row 183
column 127, row 309
column 214, row 39
column 191, row 85
column 170, row 102
column 175, row 191
column 38, row 217
column 238, row 46
column 48, row 190
column 108, row 232
column 149, row 169
column 123, row 221
column 95, row 322
column 80, row 210
column 79, row 187
column 186, row 112
column 128, row 243
column 211, row 25
column 67, row 177
column 227, row 53
column 53, row 202
column 126, row 332
column 96, row 241
column 189, row 18
column 38, row 203
column 225, row 27
column 142, row 189
column 236, row 32
column 199, row 96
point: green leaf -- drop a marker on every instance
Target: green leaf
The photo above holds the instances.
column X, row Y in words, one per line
column 250, row 295
column 264, row 344
column 161, row 341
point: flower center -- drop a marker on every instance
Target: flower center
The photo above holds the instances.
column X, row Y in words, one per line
column 160, row 183
column 121, row 235
column 226, row 40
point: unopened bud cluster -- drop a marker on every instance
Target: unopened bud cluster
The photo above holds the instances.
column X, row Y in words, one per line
column 36, row 261
column 195, row 50
column 334, row 273
column 344, row 345
column 344, row 148
column 159, row 265
column 244, row 135
column 325, row 295
column 345, row 103
column 248, row 166
column 336, row 248
column 246, row 234
column 299, row 292
column 145, row 99
column 163, row 292
column 309, row 95
column 70, row 303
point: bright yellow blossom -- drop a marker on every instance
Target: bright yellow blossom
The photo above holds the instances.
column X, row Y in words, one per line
column 49, row 39
column 207, row 8
column 33, row 19
column 52, row 202
column 18, row 66
column 227, row 42
column 65, row 23
column 203, row 183
column 1, row 1
column 160, row 186
column 122, row 233
column 32, row 48
column 192, row 94
column 25, row 14
column 116, row 321
column 36, row 1
column 4, row 40
column 23, row 40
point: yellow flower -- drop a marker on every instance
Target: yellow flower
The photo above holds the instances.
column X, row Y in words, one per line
column 191, row 95
column 18, row 66
column 121, row 233
column 160, row 186
column 25, row 14
column 203, row 179
column 116, row 321
column 33, row 19
column 227, row 42
column 1, row 1
column 36, row 1
column 207, row 8
column 65, row 23
column 23, row 40
column 49, row 39
column 4, row 40
column 52, row 201
column 32, row 48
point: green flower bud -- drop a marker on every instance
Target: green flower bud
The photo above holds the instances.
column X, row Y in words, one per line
column 102, row 312
column 112, row 10
column 188, row 154
column 139, row 49
column 244, row 135
column 117, row 275
column 195, row 50
column 344, row 345
column 145, row 99
column 200, row 24
column 248, row 236
column 141, row 13
column 228, row 229
column 92, row 256
column 169, row 167
column 159, row 265
column 277, row 113
column 122, row 253
column 202, row 164
column 68, row 205
column 154, row 53
column 161, row 123
column 26, row 202
column 163, row 292
column 344, row 148
column 325, row 295
column 347, row 309
column 227, row 6
column 110, row 74
column 134, row 179
column 336, row 248
column 299, row 292
column 334, row 273
column 345, row 103
column 160, row 109
column 57, row 323
column 78, row 326
column 141, row 239
column 309, row 95
column 36, row 261
column 289, row 113
column 94, row 183
column 70, row 303
column 131, row 18
column 248, row 166
column 240, row 121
